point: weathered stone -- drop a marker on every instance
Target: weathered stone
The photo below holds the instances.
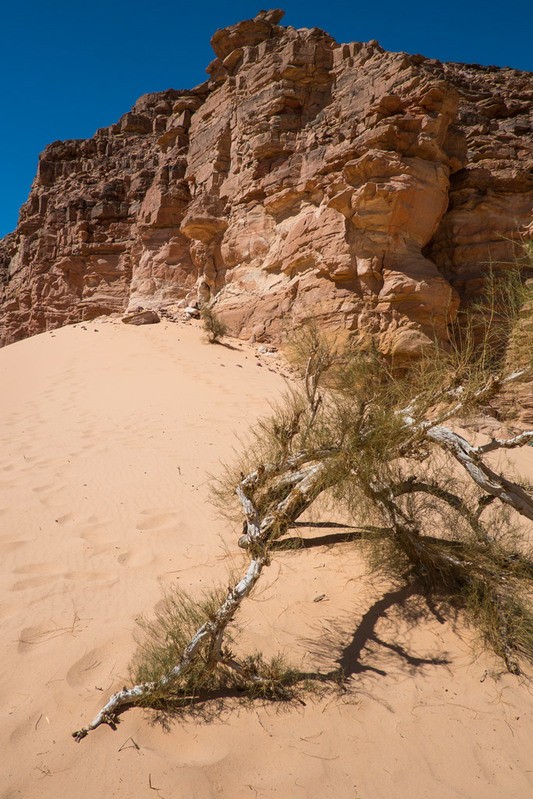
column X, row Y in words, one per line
column 248, row 33
column 141, row 317
column 304, row 178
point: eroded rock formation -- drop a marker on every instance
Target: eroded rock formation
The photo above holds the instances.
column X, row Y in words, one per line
column 304, row 177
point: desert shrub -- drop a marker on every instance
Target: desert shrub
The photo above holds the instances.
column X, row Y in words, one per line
column 212, row 324
column 379, row 440
column 163, row 639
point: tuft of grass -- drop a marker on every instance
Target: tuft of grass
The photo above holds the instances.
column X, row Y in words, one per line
column 269, row 679
column 213, row 325
column 163, row 639
column 161, row 644
column 502, row 613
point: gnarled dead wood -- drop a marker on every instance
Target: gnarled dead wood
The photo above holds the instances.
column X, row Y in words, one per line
column 299, row 491
column 486, row 478
column 211, row 630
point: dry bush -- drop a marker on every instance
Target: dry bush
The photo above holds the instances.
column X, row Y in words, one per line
column 376, row 439
column 164, row 637
column 212, row 324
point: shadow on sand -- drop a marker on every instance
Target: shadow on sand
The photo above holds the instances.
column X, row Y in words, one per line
column 409, row 602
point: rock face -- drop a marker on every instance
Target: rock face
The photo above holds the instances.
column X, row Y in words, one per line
column 142, row 317
column 305, row 177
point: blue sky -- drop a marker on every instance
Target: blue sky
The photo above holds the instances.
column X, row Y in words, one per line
column 68, row 68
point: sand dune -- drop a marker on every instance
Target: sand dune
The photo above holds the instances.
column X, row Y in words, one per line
column 108, row 437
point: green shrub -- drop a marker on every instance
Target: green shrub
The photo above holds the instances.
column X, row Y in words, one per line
column 213, row 325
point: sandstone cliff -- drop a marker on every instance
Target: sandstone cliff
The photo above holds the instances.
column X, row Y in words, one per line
column 303, row 177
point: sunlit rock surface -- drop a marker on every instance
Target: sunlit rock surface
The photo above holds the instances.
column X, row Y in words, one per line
column 304, row 177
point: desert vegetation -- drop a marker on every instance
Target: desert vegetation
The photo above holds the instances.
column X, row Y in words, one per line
column 382, row 441
column 214, row 327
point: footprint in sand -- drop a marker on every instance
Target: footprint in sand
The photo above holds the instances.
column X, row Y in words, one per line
column 136, row 558
column 36, row 634
column 26, row 728
column 36, row 568
column 105, row 578
column 96, row 549
column 11, row 546
column 38, row 462
column 91, row 442
column 34, row 582
column 98, row 533
column 65, row 518
column 85, row 671
column 157, row 520
column 43, row 488
column 61, row 495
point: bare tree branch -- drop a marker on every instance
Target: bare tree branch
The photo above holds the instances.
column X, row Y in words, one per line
column 487, row 479
column 505, row 443
column 210, row 630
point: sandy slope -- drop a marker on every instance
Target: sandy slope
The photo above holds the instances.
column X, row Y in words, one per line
column 108, row 435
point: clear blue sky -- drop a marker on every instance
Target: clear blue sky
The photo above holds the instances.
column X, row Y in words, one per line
column 68, row 68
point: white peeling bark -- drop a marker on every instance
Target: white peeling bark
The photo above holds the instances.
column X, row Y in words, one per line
column 505, row 443
column 300, row 489
column 212, row 629
column 490, row 481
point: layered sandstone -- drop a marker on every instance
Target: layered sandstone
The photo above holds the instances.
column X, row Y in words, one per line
column 305, row 177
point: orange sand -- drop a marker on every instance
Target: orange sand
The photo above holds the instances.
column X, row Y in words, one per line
column 108, row 437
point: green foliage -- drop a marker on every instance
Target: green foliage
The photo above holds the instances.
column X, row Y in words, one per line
column 163, row 640
column 165, row 637
column 494, row 332
column 213, row 325
column 269, row 679
column 498, row 601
